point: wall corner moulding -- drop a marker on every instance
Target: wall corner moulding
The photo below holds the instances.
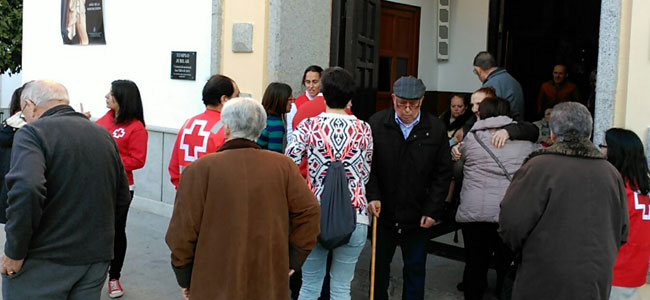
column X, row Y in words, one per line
column 444, row 16
column 242, row 37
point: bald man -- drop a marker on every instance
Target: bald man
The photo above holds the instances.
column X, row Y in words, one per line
column 66, row 184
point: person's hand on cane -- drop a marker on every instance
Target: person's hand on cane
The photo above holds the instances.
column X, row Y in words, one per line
column 374, row 208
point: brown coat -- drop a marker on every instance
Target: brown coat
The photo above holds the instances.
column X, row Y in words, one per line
column 229, row 232
column 566, row 213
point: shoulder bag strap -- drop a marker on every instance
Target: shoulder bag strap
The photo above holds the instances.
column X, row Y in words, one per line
column 505, row 171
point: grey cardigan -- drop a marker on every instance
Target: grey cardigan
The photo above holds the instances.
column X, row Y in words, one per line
column 484, row 182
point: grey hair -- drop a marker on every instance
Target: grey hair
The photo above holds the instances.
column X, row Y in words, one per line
column 245, row 118
column 570, row 118
column 485, row 60
column 41, row 91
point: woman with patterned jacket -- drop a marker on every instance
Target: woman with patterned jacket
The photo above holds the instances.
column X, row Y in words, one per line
column 125, row 122
column 335, row 135
column 624, row 150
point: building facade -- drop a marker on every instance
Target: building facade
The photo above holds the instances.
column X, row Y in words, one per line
column 256, row 42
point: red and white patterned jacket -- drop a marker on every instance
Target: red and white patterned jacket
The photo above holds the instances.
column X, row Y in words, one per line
column 346, row 138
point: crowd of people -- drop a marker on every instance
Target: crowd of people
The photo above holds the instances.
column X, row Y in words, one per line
column 275, row 198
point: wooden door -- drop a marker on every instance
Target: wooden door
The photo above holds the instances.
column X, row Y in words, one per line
column 355, row 29
column 399, row 40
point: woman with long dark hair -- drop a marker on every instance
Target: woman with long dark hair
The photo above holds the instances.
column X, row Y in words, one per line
column 125, row 122
column 624, row 150
column 277, row 101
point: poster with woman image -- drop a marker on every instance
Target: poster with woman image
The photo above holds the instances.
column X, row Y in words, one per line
column 82, row 22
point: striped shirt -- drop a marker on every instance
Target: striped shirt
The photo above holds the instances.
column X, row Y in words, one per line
column 273, row 135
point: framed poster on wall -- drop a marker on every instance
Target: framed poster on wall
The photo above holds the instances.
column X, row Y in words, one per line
column 82, row 22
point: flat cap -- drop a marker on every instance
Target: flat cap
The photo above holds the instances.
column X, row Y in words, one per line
column 409, row 88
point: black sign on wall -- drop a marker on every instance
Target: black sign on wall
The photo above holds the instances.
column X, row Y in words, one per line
column 183, row 65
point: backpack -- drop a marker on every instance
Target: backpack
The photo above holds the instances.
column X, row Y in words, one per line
column 338, row 215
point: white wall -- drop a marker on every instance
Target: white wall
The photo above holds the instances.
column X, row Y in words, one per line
column 140, row 36
column 468, row 36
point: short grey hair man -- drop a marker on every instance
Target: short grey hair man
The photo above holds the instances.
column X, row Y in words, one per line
column 570, row 119
column 40, row 95
column 243, row 118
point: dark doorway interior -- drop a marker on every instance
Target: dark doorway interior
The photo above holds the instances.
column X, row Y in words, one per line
column 530, row 37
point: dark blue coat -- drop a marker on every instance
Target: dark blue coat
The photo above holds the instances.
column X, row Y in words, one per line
column 6, row 140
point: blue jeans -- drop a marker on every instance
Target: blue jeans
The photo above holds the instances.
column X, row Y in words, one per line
column 344, row 260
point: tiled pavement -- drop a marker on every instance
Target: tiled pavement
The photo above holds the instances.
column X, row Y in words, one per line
column 147, row 273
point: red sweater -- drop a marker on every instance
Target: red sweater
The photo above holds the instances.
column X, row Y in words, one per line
column 131, row 139
column 200, row 135
column 631, row 265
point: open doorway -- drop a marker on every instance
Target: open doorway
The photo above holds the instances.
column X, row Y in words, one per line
column 530, row 37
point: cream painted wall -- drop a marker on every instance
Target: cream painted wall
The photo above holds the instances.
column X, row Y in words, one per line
column 620, row 104
column 138, row 47
column 249, row 70
column 468, row 36
column 636, row 115
column 632, row 109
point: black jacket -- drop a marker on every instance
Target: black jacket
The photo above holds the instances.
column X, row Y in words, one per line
column 520, row 131
column 6, row 139
column 410, row 177
column 66, row 183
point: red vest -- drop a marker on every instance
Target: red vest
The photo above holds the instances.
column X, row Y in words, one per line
column 131, row 139
column 631, row 265
column 200, row 135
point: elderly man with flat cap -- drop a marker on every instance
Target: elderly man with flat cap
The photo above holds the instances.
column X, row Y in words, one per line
column 411, row 171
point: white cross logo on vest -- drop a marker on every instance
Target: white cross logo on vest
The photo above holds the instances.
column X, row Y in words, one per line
column 192, row 140
column 119, row 133
column 641, row 206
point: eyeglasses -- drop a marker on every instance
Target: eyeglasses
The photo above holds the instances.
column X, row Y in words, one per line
column 405, row 106
column 601, row 146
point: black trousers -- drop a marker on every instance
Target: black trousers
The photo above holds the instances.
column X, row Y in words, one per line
column 413, row 243
column 482, row 243
column 119, row 249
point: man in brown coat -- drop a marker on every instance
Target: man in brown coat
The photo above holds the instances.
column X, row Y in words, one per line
column 565, row 212
column 229, row 233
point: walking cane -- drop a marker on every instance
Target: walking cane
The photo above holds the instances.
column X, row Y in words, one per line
column 372, row 259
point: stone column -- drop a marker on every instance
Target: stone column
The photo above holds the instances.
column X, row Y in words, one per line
column 299, row 36
column 216, row 37
column 607, row 78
